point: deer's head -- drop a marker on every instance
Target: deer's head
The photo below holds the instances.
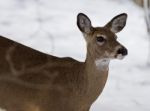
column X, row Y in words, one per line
column 102, row 41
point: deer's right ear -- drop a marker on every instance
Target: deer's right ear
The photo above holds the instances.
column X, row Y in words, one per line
column 84, row 23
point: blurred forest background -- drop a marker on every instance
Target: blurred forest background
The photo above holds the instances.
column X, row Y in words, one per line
column 50, row 26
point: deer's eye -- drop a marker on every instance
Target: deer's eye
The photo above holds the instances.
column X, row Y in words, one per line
column 100, row 39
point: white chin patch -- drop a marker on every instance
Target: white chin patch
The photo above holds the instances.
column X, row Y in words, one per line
column 120, row 56
column 102, row 64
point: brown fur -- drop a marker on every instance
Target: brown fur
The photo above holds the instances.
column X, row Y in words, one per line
column 34, row 81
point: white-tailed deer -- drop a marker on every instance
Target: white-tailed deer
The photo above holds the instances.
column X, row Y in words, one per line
column 34, row 81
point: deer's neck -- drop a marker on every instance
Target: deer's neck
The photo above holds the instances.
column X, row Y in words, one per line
column 96, row 66
column 97, row 73
column 96, row 69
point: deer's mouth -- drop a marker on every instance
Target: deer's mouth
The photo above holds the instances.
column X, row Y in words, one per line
column 121, row 53
column 120, row 56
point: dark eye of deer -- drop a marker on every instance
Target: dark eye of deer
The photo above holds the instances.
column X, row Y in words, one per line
column 100, row 39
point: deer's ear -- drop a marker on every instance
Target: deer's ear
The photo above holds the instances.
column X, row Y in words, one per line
column 84, row 23
column 117, row 23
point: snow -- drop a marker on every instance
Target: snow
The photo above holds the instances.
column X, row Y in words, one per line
column 50, row 26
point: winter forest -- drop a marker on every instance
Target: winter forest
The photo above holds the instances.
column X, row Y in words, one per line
column 50, row 27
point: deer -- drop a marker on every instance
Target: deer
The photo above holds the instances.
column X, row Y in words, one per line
column 31, row 80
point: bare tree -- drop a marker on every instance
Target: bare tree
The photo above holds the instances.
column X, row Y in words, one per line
column 147, row 18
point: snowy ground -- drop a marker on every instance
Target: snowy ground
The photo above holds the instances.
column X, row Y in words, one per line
column 51, row 27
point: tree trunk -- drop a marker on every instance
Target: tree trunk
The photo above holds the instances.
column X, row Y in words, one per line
column 147, row 18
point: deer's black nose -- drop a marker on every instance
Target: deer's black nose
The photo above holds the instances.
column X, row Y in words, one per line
column 123, row 51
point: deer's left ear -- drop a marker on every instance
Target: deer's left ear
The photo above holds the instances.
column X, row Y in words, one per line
column 117, row 23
